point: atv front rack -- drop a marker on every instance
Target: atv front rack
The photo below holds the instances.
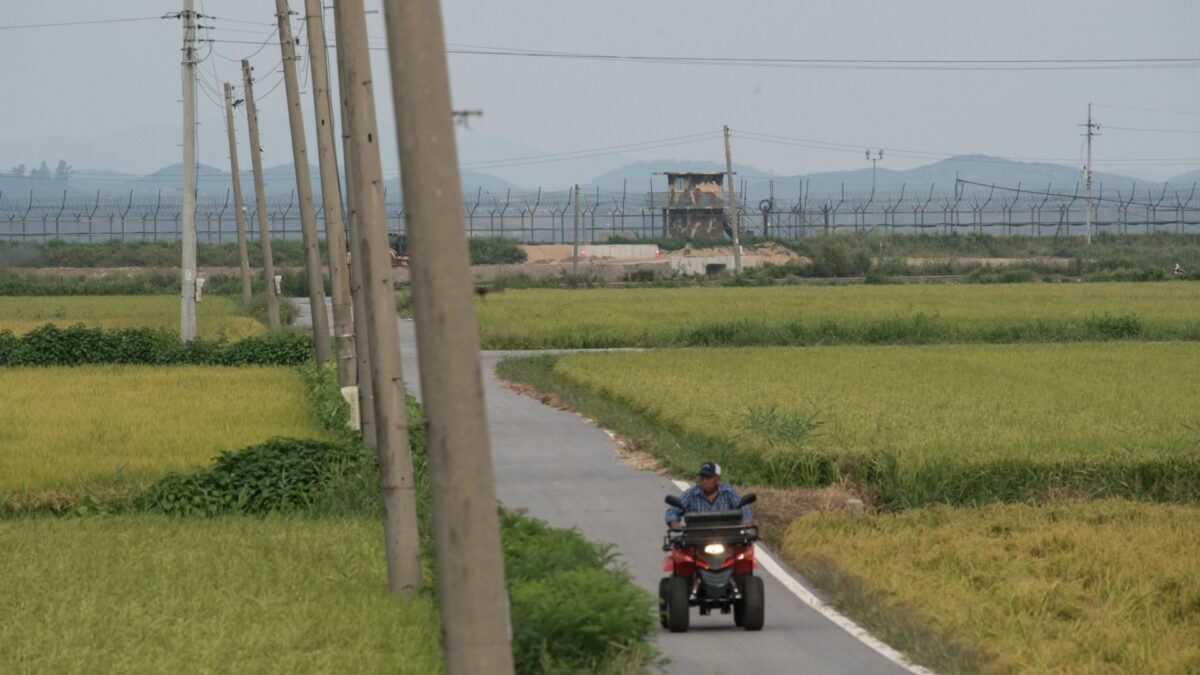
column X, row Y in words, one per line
column 710, row 534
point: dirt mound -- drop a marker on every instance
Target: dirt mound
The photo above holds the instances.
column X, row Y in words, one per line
column 765, row 253
column 547, row 253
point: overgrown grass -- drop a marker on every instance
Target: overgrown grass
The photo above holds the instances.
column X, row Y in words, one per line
column 289, row 253
column 116, row 253
column 143, row 593
column 110, row 430
column 959, row 424
column 811, row 315
column 294, row 282
column 215, row 316
column 1109, row 586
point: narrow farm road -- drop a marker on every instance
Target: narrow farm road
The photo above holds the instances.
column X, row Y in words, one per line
column 560, row 468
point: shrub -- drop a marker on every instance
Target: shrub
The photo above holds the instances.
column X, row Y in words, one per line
column 496, row 251
column 282, row 475
column 287, row 310
column 831, row 260
column 1013, row 275
column 1127, row 274
column 76, row 345
column 576, row 619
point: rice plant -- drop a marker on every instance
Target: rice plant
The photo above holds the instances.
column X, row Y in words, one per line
column 1110, row 586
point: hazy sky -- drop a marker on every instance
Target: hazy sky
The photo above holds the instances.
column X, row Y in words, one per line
column 99, row 79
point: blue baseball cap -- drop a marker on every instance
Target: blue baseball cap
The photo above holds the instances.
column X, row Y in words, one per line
column 710, row 469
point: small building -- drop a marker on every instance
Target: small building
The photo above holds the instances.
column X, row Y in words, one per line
column 695, row 206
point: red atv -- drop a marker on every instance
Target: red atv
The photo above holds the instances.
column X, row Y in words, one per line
column 712, row 565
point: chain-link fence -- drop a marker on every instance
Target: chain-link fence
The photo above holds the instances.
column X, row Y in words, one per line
column 549, row 216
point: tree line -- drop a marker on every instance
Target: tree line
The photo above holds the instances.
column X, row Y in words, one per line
column 61, row 172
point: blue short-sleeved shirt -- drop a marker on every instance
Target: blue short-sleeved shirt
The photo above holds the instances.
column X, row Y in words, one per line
column 693, row 500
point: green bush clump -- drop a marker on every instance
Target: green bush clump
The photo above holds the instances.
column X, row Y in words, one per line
column 570, row 607
column 287, row 310
column 77, row 345
column 496, row 251
column 282, row 475
column 1012, row 275
column 576, row 620
column 1127, row 274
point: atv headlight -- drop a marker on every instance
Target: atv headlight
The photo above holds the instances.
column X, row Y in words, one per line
column 714, row 549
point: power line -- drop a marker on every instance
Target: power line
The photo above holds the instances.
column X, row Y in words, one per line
column 837, row 64
column 1152, row 110
column 252, row 23
column 587, row 156
column 83, row 23
column 1161, row 131
column 622, row 147
column 927, row 154
column 1055, row 194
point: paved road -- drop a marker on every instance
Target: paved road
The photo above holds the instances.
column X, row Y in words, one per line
column 564, row 470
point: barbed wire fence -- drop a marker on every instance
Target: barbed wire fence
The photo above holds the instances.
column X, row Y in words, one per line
column 543, row 216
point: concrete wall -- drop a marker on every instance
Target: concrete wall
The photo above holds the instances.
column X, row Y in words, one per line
column 620, row 251
column 706, row 264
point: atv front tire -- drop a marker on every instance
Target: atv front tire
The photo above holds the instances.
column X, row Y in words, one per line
column 677, row 604
column 663, row 594
column 753, row 604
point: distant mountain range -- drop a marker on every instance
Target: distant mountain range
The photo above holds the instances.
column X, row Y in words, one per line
column 635, row 178
column 493, row 166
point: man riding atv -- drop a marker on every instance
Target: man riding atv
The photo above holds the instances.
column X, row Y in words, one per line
column 710, row 555
column 709, row 494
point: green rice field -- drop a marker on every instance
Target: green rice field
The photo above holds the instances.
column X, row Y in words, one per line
column 67, row 430
column 913, row 425
column 852, row 314
column 215, row 315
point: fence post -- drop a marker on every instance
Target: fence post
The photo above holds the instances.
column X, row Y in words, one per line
column 157, row 206
column 471, row 212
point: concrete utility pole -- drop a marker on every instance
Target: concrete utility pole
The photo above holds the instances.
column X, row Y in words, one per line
column 238, row 208
column 575, row 237
column 733, row 210
column 358, row 291
column 260, row 196
column 308, row 214
column 1087, row 175
column 331, row 195
column 470, row 563
column 187, row 296
column 396, row 482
